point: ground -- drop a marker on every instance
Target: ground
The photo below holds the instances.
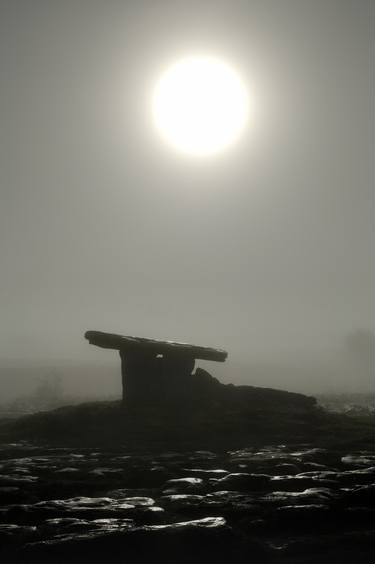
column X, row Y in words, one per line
column 261, row 477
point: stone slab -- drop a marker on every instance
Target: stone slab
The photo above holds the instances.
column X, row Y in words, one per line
column 141, row 344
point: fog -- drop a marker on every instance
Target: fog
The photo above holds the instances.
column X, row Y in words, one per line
column 265, row 250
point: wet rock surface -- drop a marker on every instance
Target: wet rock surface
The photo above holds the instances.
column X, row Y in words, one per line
column 278, row 504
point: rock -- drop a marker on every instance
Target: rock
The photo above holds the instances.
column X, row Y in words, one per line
column 155, row 372
column 242, row 481
column 301, row 482
column 184, row 485
column 11, row 534
column 16, row 480
column 314, row 496
column 231, row 504
column 138, row 501
column 9, row 494
column 363, row 496
column 310, row 466
column 72, row 526
column 345, row 549
column 359, row 460
column 200, row 541
column 83, row 508
column 206, row 473
column 156, row 347
column 298, row 519
column 356, row 477
column 290, row 483
column 286, row 468
column 178, row 499
column 203, row 455
column 183, row 503
column 310, row 517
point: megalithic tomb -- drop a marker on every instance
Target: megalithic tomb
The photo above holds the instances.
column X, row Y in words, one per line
column 152, row 370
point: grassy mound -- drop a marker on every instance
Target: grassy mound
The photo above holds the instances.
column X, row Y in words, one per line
column 249, row 418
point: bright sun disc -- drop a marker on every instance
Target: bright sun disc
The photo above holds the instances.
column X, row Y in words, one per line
column 200, row 105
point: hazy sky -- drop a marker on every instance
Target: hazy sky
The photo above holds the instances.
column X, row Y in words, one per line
column 267, row 247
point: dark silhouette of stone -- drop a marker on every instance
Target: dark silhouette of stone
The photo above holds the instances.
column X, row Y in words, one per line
column 119, row 342
column 155, row 372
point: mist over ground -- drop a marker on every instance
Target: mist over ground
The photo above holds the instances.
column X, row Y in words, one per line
column 349, row 368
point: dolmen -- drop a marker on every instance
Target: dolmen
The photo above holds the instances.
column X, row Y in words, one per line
column 161, row 374
column 154, row 371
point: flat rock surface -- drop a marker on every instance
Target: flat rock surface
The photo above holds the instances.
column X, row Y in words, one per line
column 125, row 342
column 278, row 504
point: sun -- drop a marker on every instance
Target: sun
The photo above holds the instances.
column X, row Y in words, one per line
column 200, row 105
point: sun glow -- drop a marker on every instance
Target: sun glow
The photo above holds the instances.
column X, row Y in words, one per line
column 200, row 105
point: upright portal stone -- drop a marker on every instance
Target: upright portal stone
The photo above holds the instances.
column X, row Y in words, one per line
column 154, row 371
